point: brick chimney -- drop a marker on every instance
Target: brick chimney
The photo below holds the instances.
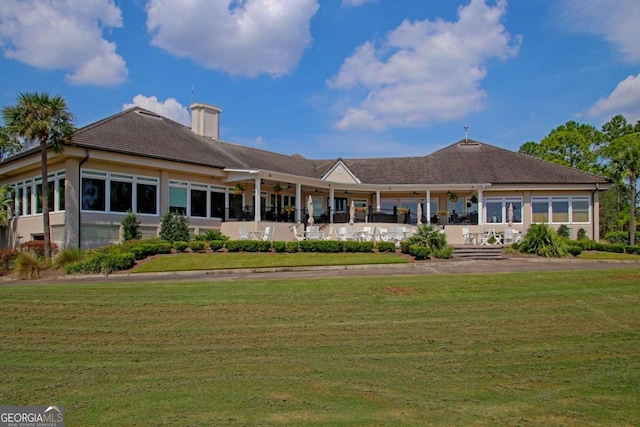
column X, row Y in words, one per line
column 205, row 120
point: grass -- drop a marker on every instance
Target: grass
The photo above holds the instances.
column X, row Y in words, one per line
column 217, row 261
column 510, row 349
column 608, row 255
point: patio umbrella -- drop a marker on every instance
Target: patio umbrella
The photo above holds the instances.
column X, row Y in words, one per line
column 352, row 213
column 419, row 213
column 510, row 214
column 310, row 209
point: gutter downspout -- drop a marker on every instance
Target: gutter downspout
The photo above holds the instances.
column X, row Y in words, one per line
column 86, row 157
column 593, row 222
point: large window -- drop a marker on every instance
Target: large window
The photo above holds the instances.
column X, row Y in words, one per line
column 503, row 210
column 199, row 200
column 28, row 195
column 217, row 202
column 178, row 197
column 560, row 209
column 118, row 193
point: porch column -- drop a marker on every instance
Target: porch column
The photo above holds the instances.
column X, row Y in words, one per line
column 226, row 205
column 256, row 201
column 480, row 215
column 428, row 206
column 298, row 203
column 331, row 205
column 378, row 200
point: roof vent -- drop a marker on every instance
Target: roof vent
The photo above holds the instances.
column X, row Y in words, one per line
column 148, row 114
column 205, row 120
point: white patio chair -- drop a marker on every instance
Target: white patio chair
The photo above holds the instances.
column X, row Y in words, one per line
column 367, row 234
column 383, row 234
column 268, row 233
column 242, row 231
column 313, row 232
column 298, row 237
column 508, row 236
column 342, row 233
column 329, row 234
column 466, row 236
column 398, row 234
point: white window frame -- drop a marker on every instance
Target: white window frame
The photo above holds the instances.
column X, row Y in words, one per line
column 120, row 177
column 32, row 183
column 563, row 198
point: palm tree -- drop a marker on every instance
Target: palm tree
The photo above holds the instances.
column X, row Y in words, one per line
column 624, row 156
column 45, row 120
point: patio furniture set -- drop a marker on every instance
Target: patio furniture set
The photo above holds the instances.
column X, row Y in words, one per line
column 491, row 237
column 354, row 233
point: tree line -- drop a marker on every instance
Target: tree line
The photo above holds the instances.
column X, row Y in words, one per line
column 612, row 152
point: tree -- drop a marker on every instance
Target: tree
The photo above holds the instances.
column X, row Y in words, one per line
column 8, row 144
column 572, row 144
column 623, row 155
column 45, row 120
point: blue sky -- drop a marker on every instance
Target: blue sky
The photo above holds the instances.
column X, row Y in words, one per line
column 334, row 78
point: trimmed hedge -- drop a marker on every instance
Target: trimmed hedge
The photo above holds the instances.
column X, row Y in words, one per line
column 325, row 246
column 180, row 246
column 386, row 246
column 101, row 262
column 216, row 245
column 279, row 247
column 293, row 247
column 351, row 246
column 419, row 252
column 197, row 246
column 248, row 245
column 37, row 247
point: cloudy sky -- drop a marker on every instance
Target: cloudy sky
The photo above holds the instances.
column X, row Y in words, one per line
column 329, row 78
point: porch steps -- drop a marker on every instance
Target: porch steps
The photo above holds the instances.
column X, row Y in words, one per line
column 478, row 252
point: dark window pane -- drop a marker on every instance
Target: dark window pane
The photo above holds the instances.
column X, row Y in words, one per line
column 121, row 196
column 178, row 200
column 28, row 199
column 146, row 199
column 38, row 198
column 61, row 191
column 93, row 194
column 217, row 205
column 198, row 203
column 51, row 196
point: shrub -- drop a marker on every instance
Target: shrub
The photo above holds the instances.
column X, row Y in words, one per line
column 279, row 247
column 444, row 253
column 574, row 250
column 248, row 245
column 326, row 246
column 7, row 258
column 29, row 265
column 67, row 256
column 564, row 231
column 617, row 237
column 293, row 247
column 582, row 234
column 174, row 227
column 541, row 240
column 429, row 237
column 353, row 246
column 130, row 223
column 197, row 246
column 418, row 251
column 101, row 262
column 386, row 246
column 37, row 247
column 180, row 246
column 212, row 235
column 216, row 245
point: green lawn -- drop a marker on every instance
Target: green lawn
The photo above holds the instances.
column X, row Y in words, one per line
column 608, row 255
column 510, row 349
column 223, row 260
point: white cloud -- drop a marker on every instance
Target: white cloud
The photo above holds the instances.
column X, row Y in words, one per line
column 170, row 108
column 615, row 20
column 625, row 100
column 240, row 37
column 355, row 3
column 64, row 35
column 425, row 71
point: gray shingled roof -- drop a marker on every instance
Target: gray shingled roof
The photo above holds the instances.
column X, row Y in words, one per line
column 464, row 163
column 141, row 132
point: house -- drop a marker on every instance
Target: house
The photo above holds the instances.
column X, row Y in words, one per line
column 139, row 161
